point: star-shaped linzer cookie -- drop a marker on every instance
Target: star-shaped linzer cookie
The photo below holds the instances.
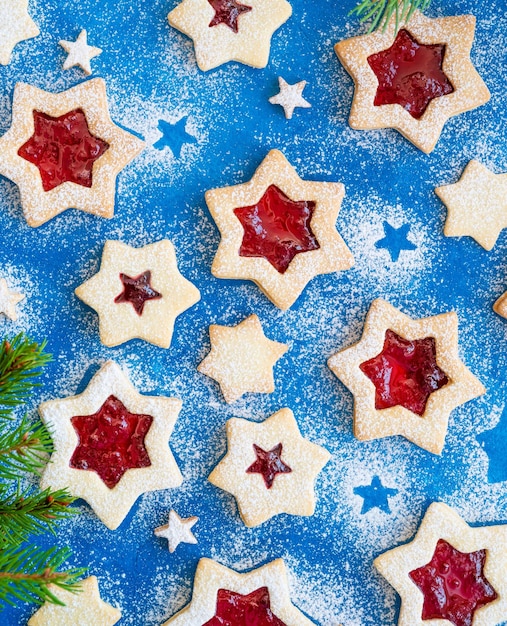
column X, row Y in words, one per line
column 133, row 456
column 270, row 468
column 15, row 26
column 229, row 30
column 242, row 359
column 406, row 376
column 138, row 293
column 278, row 230
column 476, row 205
column 450, row 573
column 415, row 79
column 223, row 596
column 63, row 151
column 82, row 607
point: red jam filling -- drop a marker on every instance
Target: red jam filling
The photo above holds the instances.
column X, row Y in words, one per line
column 63, row 149
column 252, row 609
column 405, row 373
column 137, row 290
column 277, row 228
column 269, row 464
column 227, row 12
column 410, row 73
column 453, row 584
column 111, row 441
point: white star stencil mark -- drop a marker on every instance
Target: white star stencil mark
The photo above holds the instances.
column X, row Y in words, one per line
column 177, row 530
column 79, row 53
column 8, row 300
column 290, row 97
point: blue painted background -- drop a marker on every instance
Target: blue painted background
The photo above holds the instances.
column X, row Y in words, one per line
column 151, row 75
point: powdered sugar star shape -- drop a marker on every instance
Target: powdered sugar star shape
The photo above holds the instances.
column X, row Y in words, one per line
column 111, row 505
column 290, row 97
column 79, row 53
column 86, row 604
column 476, row 205
column 242, row 359
column 39, row 206
column 442, row 522
column 8, row 300
column 210, row 577
column 219, row 44
column 429, row 429
column 291, row 492
column 15, row 26
column 118, row 321
column 457, row 33
column 332, row 254
column 177, row 530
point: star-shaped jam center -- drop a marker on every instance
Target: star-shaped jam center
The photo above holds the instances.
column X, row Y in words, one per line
column 453, row 584
column 269, row 464
column 111, row 441
column 227, row 12
column 277, row 228
column 137, row 290
column 63, row 149
column 410, row 74
column 252, row 609
column 405, row 373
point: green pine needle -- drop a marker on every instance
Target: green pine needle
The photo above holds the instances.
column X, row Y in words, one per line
column 20, row 362
column 26, row 573
column 380, row 12
column 24, row 448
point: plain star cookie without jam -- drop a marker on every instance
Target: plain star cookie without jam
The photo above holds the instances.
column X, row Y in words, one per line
column 450, row 573
column 406, row 376
column 223, row 596
column 242, row 358
column 138, row 293
column 278, row 230
column 177, row 530
column 476, row 205
column 8, row 300
column 270, row 468
column 15, row 26
column 290, row 97
column 229, row 30
column 133, row 456
column 75, row 123
column 79, row 53
column 415, row 79
column 83, row 606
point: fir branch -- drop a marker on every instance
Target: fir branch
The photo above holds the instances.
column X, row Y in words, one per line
column 20, row 362
column 32, row 512
column 26, row 573
column 24, row 449
column 380, row 12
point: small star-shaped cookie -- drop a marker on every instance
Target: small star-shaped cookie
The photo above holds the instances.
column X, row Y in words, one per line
column 476, row 205
column 453, row 36
column 450, row 573
column 138, row 292
column 177, row 530
column 8, row 300
column 269, row 468
column 242, row 359
column 126, row 465
column 436, row 389
column 79, row 53
column 291, row 250
column 86, row 105
column 221, row 595
column 290, row 97
column 15, row 26
column 84, row 606
column 225, row 30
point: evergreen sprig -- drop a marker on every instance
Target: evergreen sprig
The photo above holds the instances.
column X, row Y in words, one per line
column 380, row 12
column 27, row 572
